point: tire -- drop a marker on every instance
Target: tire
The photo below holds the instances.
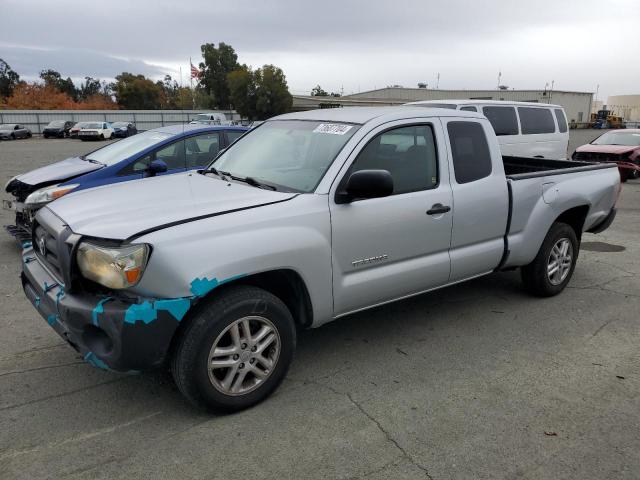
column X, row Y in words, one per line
column 29, row 135
column 535, row 276
column 46, row 136
column 13, row 136
column 211, row 325
column 101, row 136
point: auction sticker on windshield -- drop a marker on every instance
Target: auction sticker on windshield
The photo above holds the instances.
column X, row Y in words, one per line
column 333, row 128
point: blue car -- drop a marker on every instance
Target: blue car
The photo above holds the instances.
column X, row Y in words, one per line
column 161, row 151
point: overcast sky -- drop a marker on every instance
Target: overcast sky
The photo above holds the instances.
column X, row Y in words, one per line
column 356, row 45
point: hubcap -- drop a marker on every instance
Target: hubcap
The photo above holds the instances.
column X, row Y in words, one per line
column 560, row 260
column 244, row 355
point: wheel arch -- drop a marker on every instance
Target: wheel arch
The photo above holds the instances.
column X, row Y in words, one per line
column 284, row 283
column 575, row 218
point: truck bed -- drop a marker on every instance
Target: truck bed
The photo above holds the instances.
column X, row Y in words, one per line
column 519, row 168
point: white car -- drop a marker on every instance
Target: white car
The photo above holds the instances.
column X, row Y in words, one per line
column 96, row 131
column 524, row 129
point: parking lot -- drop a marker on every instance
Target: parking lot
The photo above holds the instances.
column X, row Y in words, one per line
column 478, row 381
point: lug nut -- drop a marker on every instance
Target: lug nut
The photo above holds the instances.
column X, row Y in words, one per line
column 242, row 365
column 254, row 348
column 244, row 346
column 252, row 361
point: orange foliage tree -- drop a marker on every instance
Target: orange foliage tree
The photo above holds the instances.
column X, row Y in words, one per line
column 34, row 96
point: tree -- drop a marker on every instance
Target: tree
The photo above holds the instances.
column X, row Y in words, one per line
column 272, row 92
column 8, row 79
column 88, row 88
column 136, row 92
column 242, row 87
column 54, row 79
column 218, row 63
column 32, row 96
column 318, row 92
column 259, row 94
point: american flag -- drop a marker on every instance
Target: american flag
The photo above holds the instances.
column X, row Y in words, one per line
column 195, row 73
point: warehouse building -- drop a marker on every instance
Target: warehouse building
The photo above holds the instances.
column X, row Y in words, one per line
column 576, row 104
column 626, row 106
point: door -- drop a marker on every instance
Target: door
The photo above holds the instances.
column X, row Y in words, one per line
column 387, row 248
column 480, row 196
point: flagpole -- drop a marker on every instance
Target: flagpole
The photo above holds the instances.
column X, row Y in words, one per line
column 193, row 98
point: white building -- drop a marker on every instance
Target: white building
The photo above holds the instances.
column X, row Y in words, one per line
column 627, row 106
column 576, row 104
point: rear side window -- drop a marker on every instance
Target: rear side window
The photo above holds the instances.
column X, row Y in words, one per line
column 536, row 120
column 503, row 119
column 562, row 120
column 470, row 151
column 469, row 109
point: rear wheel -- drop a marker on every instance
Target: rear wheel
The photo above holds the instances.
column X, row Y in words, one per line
column 101, row 136
column 551, row 270
column 235, row 350
column 13, row 136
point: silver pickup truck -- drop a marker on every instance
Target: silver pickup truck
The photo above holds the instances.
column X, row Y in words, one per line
column 309, row 217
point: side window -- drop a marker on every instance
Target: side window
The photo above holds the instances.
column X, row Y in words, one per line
column 172, row 155
column 408, row 153
column 536, row 120
column 469, row 150
column 562, row 120
column 469, row 109
column 233, row 135
column 17, row 127
column 503, row 119
column 201, row 149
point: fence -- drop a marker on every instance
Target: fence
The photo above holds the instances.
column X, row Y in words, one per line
column 36, row 120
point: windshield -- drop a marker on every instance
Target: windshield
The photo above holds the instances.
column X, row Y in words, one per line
column 7, row 126
column 289, row 154
column 80, row 125
column 56, row 123
column 123, row 149
column 96, row 126
column 629, row 139
column 120, row 124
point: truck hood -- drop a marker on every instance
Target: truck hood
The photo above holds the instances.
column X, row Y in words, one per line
column 616, row 149
column 63, row 170
column 122, row 210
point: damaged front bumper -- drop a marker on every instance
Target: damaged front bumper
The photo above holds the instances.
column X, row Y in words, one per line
column 110, row 333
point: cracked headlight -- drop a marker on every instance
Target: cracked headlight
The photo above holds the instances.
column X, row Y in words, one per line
column 48, row 194
column 113, row 267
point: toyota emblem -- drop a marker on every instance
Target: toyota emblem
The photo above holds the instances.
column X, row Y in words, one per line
column 42, row 246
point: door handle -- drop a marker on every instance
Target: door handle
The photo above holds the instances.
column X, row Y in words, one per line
column 438, row 209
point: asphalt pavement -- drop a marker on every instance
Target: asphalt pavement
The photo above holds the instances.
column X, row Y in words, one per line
column 475, row 381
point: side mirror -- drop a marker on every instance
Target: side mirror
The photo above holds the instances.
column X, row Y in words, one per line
column 366, row 184
column 156, row 167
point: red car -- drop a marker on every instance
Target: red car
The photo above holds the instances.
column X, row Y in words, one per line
column 619, row 146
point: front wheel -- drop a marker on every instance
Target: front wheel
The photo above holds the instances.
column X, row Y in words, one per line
column 551, row 270
column 235, row 350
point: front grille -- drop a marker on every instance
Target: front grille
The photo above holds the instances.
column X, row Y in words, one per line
column 47, row 249
column 597, row 157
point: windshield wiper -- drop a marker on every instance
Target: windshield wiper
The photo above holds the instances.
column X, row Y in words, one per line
column 219, row 173
column 90, row 160
column 251, row 181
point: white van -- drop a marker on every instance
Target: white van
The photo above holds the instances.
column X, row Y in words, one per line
column 215, row 118
column 524, row 129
